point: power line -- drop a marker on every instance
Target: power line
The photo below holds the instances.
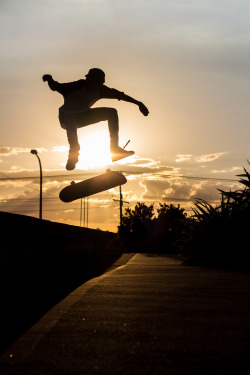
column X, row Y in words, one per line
column 107, row 196
column 69, row 177
column 47, row 176
column 17, row 178
column 31, row 200
column 58, row 209
column 173, row 176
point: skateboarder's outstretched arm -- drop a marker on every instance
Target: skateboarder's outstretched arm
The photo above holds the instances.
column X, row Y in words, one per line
column 115, row 94
column 141, row 106
column 105, row 92
column 53, row 85
column 62, row 88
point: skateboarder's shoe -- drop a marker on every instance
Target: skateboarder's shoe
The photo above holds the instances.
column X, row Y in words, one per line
column 72, row 160
column 119, row 153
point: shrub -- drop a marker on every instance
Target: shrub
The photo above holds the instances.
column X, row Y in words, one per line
column 217, row 236
column 142, row 231
column 169, row 228
column 136, row 227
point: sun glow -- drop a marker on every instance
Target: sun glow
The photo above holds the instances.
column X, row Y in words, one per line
column 94, row 151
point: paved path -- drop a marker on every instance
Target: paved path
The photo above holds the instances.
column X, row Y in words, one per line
column 150, row 316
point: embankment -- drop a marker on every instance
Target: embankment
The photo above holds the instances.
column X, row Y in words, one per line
column 40, row 263
column 29, row 241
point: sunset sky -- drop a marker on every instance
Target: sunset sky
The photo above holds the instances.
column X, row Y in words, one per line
column 187, row 61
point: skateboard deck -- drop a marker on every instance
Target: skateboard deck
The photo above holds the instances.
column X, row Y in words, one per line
column 92, row 186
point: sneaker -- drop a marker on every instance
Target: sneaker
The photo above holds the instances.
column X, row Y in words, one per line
column 72, row 160
column 119, row 153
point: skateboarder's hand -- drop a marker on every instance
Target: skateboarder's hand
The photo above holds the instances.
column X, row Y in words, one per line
column 46, row 77
column 143, row 109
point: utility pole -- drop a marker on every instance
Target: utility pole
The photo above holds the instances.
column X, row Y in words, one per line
column 81, row 214
column 85, row 212
column 121, row 201
column 121, row 204
column 34, row 152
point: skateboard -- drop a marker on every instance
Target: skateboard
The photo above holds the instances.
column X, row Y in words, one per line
column 92, row 186
column 95, row 184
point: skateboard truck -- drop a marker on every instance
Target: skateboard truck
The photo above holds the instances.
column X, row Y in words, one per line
column 121, row 153
column 126, row 145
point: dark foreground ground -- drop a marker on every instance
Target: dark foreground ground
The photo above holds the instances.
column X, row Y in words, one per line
column 152, row 315
column 28, row 292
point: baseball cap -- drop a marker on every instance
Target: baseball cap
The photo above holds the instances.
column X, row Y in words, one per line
column 96, row 75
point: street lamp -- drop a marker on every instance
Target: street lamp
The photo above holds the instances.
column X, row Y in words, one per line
column 34, row 152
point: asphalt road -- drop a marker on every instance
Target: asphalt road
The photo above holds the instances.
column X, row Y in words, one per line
column 152, row 315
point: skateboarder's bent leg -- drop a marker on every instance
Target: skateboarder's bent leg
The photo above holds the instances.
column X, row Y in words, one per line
column 89, row 117
column 74, row 147
column 72, row 138
column 95, row 115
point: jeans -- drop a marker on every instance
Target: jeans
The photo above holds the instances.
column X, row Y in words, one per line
column 71, row 122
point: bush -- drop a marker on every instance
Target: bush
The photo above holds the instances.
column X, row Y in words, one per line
column 136, row 228
column 142, row 231
column 169, row 228
column 212, row 236
column 217, row 236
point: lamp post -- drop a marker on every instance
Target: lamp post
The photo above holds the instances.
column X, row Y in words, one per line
column 34, row 152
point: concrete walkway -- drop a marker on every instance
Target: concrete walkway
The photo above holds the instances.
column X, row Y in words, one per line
column 151, row 316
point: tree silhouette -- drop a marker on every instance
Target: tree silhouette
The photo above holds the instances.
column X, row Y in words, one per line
column 140, row 216
column 141, row 230
column 136, row 225
column 169, row 227
column 218, row 236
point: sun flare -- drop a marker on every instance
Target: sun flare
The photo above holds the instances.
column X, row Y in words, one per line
column 94, row 151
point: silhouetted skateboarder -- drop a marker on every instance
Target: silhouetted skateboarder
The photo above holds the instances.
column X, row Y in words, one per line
column 76, row 111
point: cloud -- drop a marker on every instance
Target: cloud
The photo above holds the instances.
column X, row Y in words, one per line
column 60, row 149
column 208, row 190
column 181, row 158
column 184, row 190
column 199, row 159
column 209, row 157
column 7, row 184
column 8, row 151
column 233, row 169
column 166, row 188
column 148, row 182
column 144, row 162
